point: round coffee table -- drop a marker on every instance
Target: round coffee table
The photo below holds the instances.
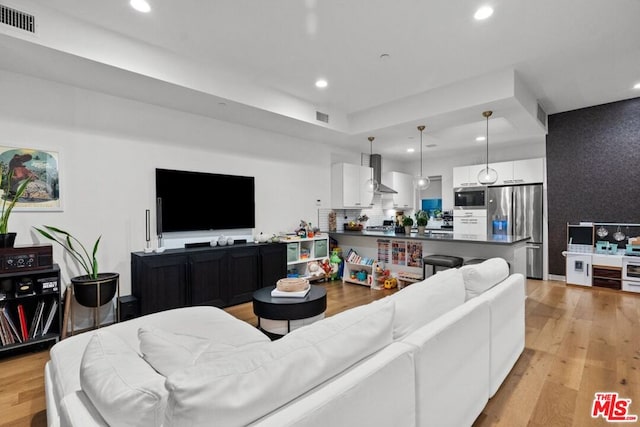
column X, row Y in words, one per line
column 286, row 309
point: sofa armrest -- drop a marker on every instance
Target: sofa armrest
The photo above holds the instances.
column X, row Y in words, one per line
column 507, row 308
column 452, row 366
column 77, row 410
column 378, row 392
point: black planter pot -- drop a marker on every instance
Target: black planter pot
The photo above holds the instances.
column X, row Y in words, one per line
column 7, row 240
column 95, row 292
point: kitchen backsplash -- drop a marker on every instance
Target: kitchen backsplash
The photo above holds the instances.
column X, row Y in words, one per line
column 376, row 215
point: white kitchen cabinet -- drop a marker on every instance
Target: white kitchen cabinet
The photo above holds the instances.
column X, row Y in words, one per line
column 348, row 186
column 466, row 176
column 406, row 193
column 578, row 269
column 529, row 171
column 470, row 221
column 505, row 172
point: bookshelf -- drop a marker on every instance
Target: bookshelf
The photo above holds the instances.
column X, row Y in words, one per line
column 356, row 266
column 30, row 308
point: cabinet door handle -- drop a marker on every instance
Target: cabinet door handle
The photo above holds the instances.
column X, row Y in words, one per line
column 587, row 270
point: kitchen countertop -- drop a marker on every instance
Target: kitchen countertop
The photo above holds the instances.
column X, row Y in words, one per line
column 437, row 235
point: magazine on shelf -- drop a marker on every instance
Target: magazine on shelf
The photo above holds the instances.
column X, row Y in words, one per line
column 23, row 323
column 52, row 314
column 36, row 322
column 5, row 312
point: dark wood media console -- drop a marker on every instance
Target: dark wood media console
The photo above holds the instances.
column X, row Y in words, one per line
column 217, row 276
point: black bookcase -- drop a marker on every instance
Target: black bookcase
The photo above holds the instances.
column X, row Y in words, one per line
column 31, row 306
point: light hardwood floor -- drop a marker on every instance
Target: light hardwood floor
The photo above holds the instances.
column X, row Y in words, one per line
column 579, row 341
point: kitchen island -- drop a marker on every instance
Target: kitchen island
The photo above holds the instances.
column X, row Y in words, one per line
column 404, row 252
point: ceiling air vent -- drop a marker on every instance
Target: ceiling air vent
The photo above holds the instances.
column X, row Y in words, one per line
column 322, row 117
column 17, row 19
column 542, row 116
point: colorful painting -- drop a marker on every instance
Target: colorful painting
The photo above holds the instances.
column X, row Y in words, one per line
column 41, row 168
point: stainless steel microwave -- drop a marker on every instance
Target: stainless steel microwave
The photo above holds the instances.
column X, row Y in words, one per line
column 470, row 197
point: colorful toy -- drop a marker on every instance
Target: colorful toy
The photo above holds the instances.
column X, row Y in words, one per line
column 390, row 283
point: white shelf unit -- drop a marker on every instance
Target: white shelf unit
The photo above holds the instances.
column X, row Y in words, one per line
column 354, row 263
column 370, row 269
column 301, row 252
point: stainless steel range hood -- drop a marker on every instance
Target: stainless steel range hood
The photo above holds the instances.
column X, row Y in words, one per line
column 375, row 161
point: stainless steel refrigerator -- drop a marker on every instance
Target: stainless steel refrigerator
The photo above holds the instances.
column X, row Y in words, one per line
column 517, row 210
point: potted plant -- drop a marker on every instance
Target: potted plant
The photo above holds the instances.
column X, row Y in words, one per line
column 93, row 289
column 422, row 219
column 9, row 200
column 407, row 221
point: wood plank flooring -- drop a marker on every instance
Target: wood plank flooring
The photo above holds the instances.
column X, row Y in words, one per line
column 579, row 341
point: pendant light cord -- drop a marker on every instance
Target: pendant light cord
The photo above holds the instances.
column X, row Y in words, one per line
column 487, row 114
column 421, row 129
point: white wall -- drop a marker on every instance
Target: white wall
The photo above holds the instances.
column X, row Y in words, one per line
column 109, row 148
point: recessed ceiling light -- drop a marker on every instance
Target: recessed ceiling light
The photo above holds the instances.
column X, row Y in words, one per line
column 321, row 83
column 636, row 86
column 483, row 13
column 140, row 5
column 480, row 138
column 411, row 150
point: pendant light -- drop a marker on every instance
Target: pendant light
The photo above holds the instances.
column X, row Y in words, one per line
column 371, row 185
column 487, row 176
column 421, row 181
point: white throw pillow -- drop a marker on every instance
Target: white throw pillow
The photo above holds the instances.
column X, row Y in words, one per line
column 422, row 302
column 263, row 379
column 480, row 277
column 120, row 384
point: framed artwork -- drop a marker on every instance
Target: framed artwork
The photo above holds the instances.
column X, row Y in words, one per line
column 42, row 167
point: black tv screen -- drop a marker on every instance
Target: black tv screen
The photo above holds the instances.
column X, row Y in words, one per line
column 190, row 201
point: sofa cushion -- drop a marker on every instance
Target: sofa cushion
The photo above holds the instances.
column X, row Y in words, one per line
column 262, row 379
column 168, row 352
column 421, row 302
column 480, row 277
column 124, row 388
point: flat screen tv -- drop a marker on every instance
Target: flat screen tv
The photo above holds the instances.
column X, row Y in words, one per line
column 190, row 201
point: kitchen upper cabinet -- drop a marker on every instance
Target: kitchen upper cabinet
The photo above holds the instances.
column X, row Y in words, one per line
column 530, row 171
column 403, row 184
column 348, row 186
column 467, row 176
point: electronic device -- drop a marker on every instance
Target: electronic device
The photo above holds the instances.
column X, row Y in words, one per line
column 26, row 258
column 25, row 287
column 183, row 197
column 47, row 285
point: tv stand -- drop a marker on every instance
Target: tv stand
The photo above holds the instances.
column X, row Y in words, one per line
column 217, row 276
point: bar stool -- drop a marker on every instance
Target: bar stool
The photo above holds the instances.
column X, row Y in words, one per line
column 447, row 261
column 474, row 261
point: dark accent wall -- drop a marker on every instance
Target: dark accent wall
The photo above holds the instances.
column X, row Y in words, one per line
column 593, row 170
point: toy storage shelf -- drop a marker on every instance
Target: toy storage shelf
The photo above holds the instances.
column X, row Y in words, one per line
column 304, row 250
column 370, row 270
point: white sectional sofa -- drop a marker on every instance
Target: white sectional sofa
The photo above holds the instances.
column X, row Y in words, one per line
column 431, row 354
